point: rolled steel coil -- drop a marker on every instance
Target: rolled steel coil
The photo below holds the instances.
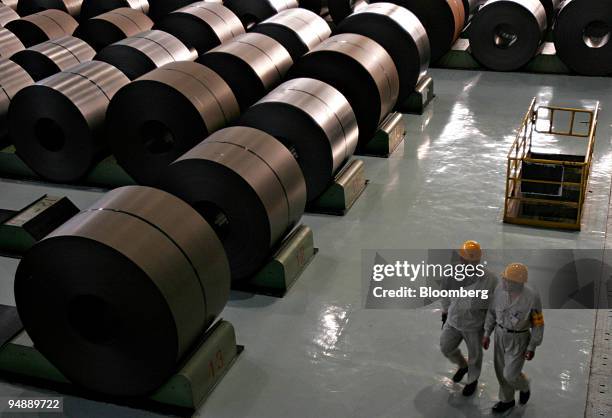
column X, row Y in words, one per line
column 202, row 25
column 443, row 20
column 93, row 8
column 315, row 122
column 551, row 7
column 251, row 12
column 43, row 26
column 317, row 6
column 246, row 183
column 341, row 9
column 160, row 8
column 252, row 64
column 44, row 60
column 7, row 15
column 10, row 3
column 57, row 125
column 28, row 7
column 12, row 79
column 583, row 36
column 160, row 116
column 118, row 295
column 298, row 30
column 361, row 70
column 471, row 6
column 9, row 44
column 139, row 54
column 506, row 34
column 401, row 34
column 110, row 27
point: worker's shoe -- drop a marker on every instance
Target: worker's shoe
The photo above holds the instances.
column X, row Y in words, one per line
column 503, row 406
column 459, row 375
column 470, row 388
column 524, row 397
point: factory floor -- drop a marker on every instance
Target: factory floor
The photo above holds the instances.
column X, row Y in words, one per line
column 318, row 353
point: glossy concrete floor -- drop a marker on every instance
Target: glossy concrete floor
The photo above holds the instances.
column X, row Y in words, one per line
column 318, row 353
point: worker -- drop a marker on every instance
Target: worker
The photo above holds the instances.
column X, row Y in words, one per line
column 516, row 316
column 463, row 319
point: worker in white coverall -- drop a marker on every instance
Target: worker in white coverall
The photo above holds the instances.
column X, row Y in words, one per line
column 463, row 319
column 516, row 316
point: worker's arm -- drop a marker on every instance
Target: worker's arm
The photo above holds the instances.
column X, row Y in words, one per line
column 491, row 319
column 537, row 324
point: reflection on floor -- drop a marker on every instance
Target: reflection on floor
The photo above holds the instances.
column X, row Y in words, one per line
column 317, row 353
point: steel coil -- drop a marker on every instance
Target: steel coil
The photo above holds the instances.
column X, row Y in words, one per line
column 163, row 114
column 251, row 12
column 202, row 25
column 583, row 36
column 93, row 8
column 315, row 122
column 506, row 34
column 246, row 183
column 401, row 34
column 57, row 125
column 160, row 8
column 7, row 15
column 9, row 43
column 10, row 3
column 443, row 20
column 139, row 54
column 48, row 58
column 43, row 26
column 298, row 30
column 252, row 64
column 13, row 78
column 471, row 6
column 110, row 27
column 28, row 7
column 156, row 278
column 341, row 9
column 551, row 7
column 361, row 70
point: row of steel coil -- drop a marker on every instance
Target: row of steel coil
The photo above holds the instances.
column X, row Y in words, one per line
column 230, row 117
column 505, row 35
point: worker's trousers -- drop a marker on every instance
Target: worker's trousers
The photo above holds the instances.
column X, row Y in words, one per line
column 449, row 345
column 509, row 360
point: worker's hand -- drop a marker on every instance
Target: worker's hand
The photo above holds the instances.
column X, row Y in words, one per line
column 485, row 342
column 529, row 355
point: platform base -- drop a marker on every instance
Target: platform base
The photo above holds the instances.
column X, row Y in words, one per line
column 285, row 267
column 106, row 174
column 340, row 197
column 181, row 395
column 20, row 230
column 390, row 135
column 418, row 101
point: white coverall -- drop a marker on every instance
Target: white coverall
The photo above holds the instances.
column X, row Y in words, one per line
column 466, row 318
column 512, row 320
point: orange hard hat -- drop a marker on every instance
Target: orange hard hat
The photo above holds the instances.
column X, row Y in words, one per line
column 516, row 272
column 471, row 251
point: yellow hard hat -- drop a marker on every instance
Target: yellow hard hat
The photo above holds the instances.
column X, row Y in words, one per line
column 471, row 251
column 516, row 272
